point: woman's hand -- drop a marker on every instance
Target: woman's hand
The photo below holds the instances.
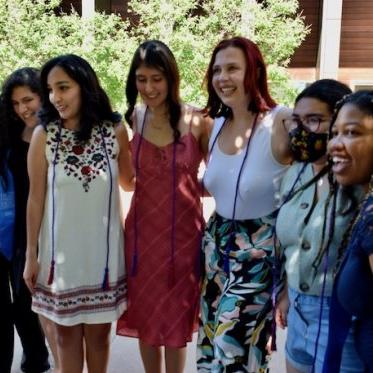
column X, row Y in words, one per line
column 30, row 273
column 282, row 310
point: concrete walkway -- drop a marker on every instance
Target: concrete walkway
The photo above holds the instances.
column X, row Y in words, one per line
column 125, row 357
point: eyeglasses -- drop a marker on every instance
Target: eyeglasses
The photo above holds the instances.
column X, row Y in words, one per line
column 312, row 123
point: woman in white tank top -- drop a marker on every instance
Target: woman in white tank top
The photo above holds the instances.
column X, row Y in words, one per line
column 248, row 154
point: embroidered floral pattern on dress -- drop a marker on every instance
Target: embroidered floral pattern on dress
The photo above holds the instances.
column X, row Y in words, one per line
column 88, row 159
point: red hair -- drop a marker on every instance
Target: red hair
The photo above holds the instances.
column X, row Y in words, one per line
column 255, row 82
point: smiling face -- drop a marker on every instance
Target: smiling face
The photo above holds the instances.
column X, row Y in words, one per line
column 228, row 77
column 26, row 105
column 65, row 96
column 351, row 146
column 152, row 86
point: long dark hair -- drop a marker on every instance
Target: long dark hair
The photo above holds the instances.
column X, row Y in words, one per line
column 4, row 143
column 156, row 54
column 95, row 106
column 11, row 126
column 255, row 82
column 24, row 77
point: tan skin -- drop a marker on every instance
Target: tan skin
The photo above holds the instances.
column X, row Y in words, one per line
column 152, row 86
column 305, row 109
column 65, row 95
column 351, row 149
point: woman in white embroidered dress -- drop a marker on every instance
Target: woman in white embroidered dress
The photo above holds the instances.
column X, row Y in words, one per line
column 75, row 161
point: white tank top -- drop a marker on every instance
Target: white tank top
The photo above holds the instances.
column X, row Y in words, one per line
column 260, row 176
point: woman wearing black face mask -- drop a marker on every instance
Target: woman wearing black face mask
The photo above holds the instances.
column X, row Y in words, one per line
column 310, row 226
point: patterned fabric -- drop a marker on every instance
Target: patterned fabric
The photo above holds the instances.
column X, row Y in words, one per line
column 82, row 201
column 236, row 307
column 83, row 161
column 164, row 291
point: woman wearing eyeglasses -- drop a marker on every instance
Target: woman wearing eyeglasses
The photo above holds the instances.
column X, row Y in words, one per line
column 310, row 226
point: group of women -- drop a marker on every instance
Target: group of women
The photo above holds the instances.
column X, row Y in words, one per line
column 290, row 241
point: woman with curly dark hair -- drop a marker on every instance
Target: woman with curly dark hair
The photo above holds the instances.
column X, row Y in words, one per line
column 20, row 103
column 351, row 150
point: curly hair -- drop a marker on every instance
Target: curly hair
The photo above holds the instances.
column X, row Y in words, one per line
column 24, row 77
column 11, row 126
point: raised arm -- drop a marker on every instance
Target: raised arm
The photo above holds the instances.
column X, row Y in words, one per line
column 37, row 169
column 280, row 138
column 126, row 173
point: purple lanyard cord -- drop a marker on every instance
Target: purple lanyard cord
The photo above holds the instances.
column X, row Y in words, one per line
column 326, row 265
column 105, row 282
column 52, row 264
column 173, row 215
column 231, row 238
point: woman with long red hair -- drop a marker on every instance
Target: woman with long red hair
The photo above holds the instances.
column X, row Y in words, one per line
column 248, row 153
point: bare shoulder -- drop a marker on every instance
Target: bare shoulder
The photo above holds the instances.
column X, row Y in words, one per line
column 38, row 139
column 121, row 133
column 199, row 121
column 36, row 157
column 39, row 132
column 138, row 116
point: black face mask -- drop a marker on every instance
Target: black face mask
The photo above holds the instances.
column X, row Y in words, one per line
column 307, row 146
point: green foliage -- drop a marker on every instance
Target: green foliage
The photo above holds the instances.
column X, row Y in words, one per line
column 31, row 32
column 193, row 28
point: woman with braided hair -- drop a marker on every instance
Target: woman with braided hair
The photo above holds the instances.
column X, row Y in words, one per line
column 351, row 149
column 311, row 221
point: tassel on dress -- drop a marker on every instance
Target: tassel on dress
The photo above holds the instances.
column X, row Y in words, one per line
column 51, row 273
column 105, row 282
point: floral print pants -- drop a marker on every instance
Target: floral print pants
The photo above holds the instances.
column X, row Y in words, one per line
column 236, row 305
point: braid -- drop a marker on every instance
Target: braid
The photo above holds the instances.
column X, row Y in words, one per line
column 347, row 236
column 332, row 196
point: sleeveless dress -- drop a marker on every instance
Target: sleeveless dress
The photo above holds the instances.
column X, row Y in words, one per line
column 236, row 305
column 81, row 230
column 163, row 287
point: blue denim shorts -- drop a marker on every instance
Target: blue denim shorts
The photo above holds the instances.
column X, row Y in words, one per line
column 303, row 323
